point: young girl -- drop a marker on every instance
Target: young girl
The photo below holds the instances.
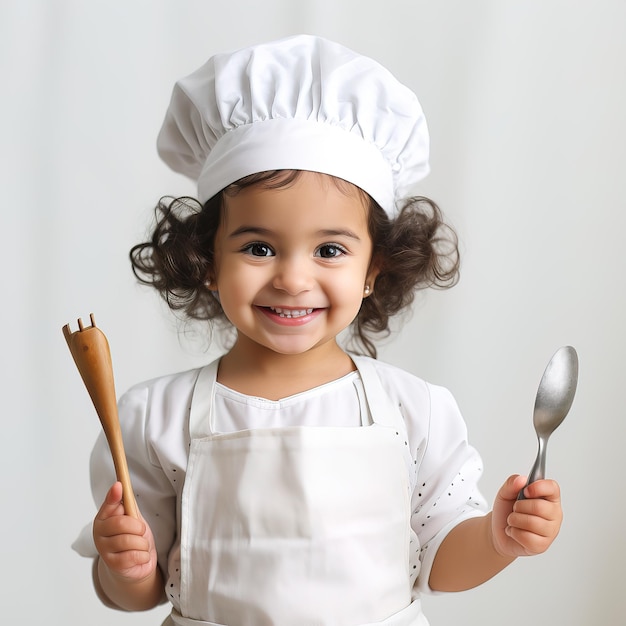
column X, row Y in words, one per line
column 291, row 482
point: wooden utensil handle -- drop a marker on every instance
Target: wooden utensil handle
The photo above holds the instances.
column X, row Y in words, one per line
column 113, row 435
column 90, row 350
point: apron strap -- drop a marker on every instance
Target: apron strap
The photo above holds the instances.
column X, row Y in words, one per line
column 201, row 414
column 384, row 412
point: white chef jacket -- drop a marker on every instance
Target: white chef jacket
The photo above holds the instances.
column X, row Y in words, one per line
column 154, row 420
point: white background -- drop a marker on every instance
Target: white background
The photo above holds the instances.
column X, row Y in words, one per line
column 525, row 103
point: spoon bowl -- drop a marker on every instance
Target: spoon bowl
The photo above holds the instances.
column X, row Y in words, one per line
column 555, row 395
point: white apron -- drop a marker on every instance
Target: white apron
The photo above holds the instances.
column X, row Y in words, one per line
column 297, row 526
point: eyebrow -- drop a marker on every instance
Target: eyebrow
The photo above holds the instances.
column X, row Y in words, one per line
column 249, row 230
column 264, row 232
column 341, row 232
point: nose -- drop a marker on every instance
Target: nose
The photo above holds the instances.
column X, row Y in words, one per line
column 293, row 275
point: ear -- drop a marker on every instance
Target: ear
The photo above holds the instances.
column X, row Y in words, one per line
column 209, row 282
column 370, row 278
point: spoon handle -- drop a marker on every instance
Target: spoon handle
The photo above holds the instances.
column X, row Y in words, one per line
column 538, row 470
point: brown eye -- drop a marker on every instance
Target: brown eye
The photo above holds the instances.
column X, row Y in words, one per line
column 330, row 251
column 258, row 249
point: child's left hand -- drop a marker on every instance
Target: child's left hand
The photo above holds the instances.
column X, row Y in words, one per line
column 526, row 527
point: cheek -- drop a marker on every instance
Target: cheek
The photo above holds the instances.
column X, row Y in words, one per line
column 348, row 289
column 238, row 282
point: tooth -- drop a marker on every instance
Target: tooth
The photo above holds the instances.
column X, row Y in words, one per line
column 290, row 313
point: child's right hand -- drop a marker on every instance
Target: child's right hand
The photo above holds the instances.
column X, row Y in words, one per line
column 125, row 544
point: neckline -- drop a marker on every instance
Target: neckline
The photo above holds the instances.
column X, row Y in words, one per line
column 238, row 395
column 382, row 412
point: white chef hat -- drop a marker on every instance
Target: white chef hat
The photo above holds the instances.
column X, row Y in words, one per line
column 301, row 103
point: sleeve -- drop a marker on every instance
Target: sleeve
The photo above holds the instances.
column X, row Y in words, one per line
column 446, row 491
column 155, row 495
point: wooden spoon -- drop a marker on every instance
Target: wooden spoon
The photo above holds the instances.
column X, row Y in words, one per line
column 90, row 350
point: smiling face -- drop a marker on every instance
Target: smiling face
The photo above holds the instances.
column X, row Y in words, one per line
column 291, row 264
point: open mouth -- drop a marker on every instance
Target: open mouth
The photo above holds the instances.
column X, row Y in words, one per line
column 290, row 313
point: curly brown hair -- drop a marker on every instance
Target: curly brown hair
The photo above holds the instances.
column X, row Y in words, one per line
column 414, row 251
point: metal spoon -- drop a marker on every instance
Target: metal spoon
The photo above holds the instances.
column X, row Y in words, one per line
column 554, row 399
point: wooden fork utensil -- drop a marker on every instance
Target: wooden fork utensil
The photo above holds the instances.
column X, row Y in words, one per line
column 90, row 350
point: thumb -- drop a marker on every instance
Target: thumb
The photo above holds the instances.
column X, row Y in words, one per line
column 112, row 504
column 511, row 488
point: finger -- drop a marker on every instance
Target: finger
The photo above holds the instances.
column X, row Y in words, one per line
column 545, row 525
column 122, row 557
column 530, row 543
column 119, row 526
column 125, row 542
column 120, row 561
column 546, row 489
column 545, row 508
